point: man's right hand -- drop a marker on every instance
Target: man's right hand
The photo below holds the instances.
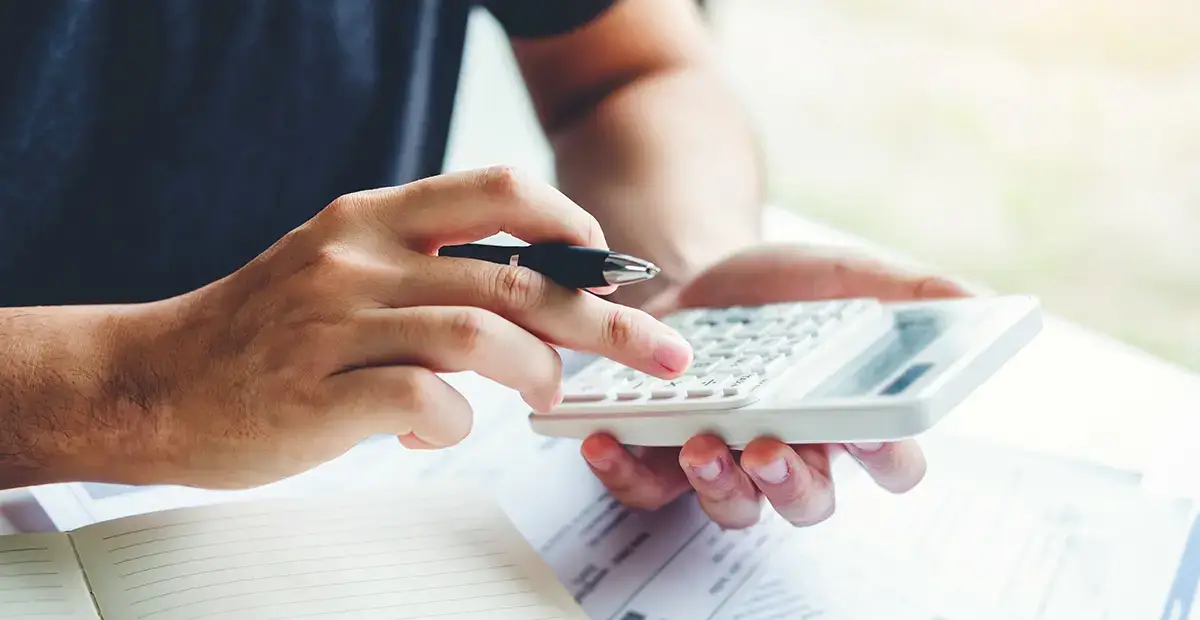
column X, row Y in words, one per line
column 336, row 332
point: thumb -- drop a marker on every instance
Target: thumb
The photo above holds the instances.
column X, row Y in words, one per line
column 408, row 401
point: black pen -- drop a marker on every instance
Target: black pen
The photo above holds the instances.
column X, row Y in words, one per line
column 571, row 266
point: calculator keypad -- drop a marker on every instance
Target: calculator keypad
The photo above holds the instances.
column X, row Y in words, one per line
column 735, row 351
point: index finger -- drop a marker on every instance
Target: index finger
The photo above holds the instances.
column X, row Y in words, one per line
column 559, row 316
column 463, row 207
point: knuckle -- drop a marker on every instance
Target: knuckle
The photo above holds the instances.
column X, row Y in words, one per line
column 720, row 493
column 503, row 183
column 466, row 329
column 332, row 260
column 620, row 329
column 519, row 288
column 342, row 208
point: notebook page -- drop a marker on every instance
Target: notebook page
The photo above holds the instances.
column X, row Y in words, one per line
column 41, row 580
column 408, row 555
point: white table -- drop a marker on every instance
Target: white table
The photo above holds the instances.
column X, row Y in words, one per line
column 1072, row 392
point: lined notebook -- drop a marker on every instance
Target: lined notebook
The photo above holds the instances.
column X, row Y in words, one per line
column 408, row 555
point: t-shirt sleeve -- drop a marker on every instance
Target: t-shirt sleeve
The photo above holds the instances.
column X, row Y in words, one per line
column 545, row 18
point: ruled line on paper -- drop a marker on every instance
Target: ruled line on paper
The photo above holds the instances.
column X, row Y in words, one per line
column 37, row 574
column 277, row 550
column 505, row 568
column 40, row 599
column 224, row 543
column 39, row 578
column 282, row 562
column 344, row 596
column 14, row 563
column 321, row 531
column 354, row 582
column 555, row 614
column 410, row 558
column 274, row 514
column 20, row 549
column 356, row 609
column 34, row 587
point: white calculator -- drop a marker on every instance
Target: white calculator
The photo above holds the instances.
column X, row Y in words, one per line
column 854, row 370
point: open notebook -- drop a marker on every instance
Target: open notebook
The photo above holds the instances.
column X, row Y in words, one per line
column 414, row 553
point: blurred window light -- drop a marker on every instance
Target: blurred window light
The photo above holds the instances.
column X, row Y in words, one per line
column 1039, row 146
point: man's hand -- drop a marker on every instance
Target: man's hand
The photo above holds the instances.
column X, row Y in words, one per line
column 794, row 479
column 336, row 332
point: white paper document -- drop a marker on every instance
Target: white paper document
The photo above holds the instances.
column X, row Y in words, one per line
column 989, row 534
column 672, row 564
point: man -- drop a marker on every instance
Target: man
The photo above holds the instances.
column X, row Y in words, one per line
column 201, row 285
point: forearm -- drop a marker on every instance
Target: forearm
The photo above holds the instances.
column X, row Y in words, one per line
column 58, row 416
column 669, row 167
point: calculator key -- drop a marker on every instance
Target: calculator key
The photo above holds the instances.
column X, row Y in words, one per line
column 750, row 361
column 700, row 392
column 584, row 397
column 825, row 320
column 628, row 394
column 828, row 307
column 775, row 330
column 856, row 307
column 663, row 393
column 724, row 349
column 632, row 386
column 770, row 368
column 741, row 319
column 741, row 385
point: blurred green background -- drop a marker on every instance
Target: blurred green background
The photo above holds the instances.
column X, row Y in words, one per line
column 1041, row 146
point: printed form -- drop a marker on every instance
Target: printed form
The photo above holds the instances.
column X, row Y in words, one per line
column 990, row 534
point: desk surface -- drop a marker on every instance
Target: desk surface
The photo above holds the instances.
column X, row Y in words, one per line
column 1072, row 392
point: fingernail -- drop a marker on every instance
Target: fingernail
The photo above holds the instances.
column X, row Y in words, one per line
column 709, row 471
column 774, row 472
column 600, row 464
column 416, row 442
column 672, row 352
column 870, row 446
column 603, row 290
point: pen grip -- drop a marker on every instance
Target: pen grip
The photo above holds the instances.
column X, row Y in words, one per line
column 498, row 254
column 567, row 265
column 571, row 266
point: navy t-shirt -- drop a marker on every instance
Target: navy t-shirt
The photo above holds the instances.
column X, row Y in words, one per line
column 148, row 148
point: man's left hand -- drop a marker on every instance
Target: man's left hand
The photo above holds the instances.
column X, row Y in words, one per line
column 796, row 480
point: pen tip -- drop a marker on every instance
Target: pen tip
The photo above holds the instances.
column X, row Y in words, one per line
column 622, row 269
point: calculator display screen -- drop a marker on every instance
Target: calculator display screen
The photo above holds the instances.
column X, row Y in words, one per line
column 887, row 368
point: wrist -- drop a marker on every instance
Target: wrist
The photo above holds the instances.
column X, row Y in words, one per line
column 60, row 417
